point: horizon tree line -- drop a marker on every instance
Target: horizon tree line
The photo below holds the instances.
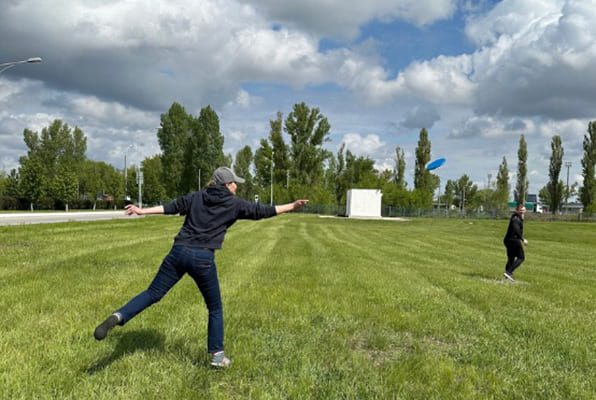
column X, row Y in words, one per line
column 291, row 161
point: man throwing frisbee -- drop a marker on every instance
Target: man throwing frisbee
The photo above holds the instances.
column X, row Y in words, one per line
column 514, row 238
column 208, row 215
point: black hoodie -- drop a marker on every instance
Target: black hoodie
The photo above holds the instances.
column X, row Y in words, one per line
column 209, row 213
column 515, row 230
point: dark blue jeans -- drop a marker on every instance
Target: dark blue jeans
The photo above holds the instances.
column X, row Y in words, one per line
column 200, row 265
column 515, row 255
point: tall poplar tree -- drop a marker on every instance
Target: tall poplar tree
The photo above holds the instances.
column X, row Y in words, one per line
column 204, row 150
column 521, row 189
column 173, row 137
column 263, row 165
column 587, row 193
column 400, row 168
column 242, row 165
column 555, row 186
column 281, row 156
column 423, row 184
column 501, row 195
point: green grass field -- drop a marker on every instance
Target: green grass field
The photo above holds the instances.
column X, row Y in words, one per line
column 315, row 308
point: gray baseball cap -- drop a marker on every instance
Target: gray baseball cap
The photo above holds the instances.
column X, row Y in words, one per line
column 224, row 175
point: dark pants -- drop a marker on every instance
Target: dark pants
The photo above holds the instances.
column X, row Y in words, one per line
column 200, row 265
column 515, row 255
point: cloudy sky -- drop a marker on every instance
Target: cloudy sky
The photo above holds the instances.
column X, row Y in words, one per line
column 475, row 73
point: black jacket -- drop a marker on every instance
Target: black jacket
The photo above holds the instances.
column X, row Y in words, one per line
column 515, row 231
column 209, row 213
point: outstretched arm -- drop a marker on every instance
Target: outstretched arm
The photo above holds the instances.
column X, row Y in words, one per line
column 295, row 206
column 132, row 209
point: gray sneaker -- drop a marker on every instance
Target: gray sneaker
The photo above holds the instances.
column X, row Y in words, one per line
column 106, row 326
column 219, row 360
column 509, row 276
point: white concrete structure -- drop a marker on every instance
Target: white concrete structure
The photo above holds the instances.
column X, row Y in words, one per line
column 364, row 203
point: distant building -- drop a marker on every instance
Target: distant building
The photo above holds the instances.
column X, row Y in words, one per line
column 532, row 205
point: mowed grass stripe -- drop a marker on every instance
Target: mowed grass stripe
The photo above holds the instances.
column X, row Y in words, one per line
column 315, row 308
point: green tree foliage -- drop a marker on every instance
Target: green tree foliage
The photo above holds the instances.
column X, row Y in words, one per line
column 308, row 130
column 263, row 168
column 64, row 186
column 465, row 192
column 173, row 136
column 521, row 189
column 449, row 193
column 544, row 195
column 354, row 173
column 3, row 180
column 113, row 184
column 189, row 146
column 153, row 190
column 423, row 185
column 204, row 150
column 360, row 172
column 13, row 187
column 400, row 168
column 587, row 193
column 53, row 161
column 281, row 156
column 227, row 161
column 242, row 164
column 501, row 194
column 96, row 180
column 30, row 182
column 555, row 187
column 341, row 182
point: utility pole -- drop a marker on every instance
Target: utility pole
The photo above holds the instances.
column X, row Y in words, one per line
column 140, row 183
column 568, row 165
column 272, row 154
column 487, row 189
column 125, row 171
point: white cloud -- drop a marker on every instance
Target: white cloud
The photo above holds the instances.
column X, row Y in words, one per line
column 492, row 127
column 509, row 18
column 336, row 18
column 362, row 146
column 91, row 107
column 237, row 136
column 113, row 67
column 201, row 51
column 543, row 66
column 420, row 117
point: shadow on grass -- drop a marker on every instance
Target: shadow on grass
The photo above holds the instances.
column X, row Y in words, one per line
column 129, row 342
column 481, row 275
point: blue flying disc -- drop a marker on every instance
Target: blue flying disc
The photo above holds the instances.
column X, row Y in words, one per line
column 435, row 164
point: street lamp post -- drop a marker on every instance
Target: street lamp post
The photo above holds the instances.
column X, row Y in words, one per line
column 272, row 154
column 568, row 165
column 7, row 65
column 125, row 172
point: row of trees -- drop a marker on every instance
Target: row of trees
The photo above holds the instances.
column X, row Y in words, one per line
column 291, row 162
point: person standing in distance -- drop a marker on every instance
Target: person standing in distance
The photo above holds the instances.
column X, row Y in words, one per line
column 208, row 215
column 514, row 238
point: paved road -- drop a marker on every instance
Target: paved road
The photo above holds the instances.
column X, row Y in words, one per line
column 47, row 218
